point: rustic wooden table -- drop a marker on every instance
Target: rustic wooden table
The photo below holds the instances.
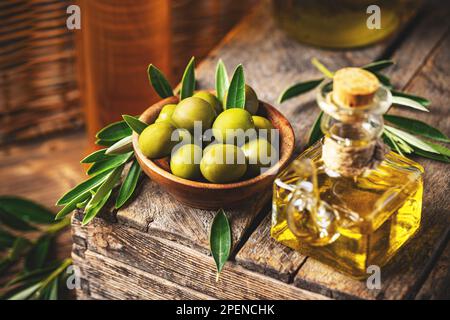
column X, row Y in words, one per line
column 157, row 248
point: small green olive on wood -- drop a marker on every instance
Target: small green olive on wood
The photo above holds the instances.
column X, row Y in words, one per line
column 211, row 99
column 166, row 113
column 185, row 162
column 251, row 100
column 231, row 125
column 259, row 154
column 223, row 163
column 155, row 141
column 193, row 109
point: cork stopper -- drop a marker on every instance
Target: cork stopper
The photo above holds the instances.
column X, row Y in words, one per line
column 354, row 87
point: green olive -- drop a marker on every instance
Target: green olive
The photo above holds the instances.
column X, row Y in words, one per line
column 262, row 123
column 166, row 113
column 260, row 155
column 155, row 141
column 191, row 110
column 223, row 163
column 251, row 100
column 227, row 124
column 211, row 99
column 185, row 162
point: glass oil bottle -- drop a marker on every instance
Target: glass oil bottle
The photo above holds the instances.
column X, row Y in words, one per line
column 348, row 201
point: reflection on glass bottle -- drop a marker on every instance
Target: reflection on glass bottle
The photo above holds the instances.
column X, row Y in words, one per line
column 340, row 23
column 348, row 201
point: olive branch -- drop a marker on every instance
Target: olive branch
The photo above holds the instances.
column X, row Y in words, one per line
column 41, row 276
column 405, row 136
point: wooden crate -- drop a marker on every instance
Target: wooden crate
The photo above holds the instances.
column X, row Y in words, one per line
column 156, row 248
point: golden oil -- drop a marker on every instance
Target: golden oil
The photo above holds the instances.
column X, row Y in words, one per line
column 340, row 23
column 378, row 211
column 348, row 221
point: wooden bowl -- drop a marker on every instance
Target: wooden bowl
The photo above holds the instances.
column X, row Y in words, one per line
column 205, row 195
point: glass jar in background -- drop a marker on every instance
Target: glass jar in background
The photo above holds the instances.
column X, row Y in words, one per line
column 340, row 23
column 120, row 38
column 117, row 41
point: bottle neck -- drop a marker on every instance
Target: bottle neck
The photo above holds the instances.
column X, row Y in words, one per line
column 352, row 141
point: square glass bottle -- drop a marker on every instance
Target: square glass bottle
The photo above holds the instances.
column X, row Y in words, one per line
column 348, row 201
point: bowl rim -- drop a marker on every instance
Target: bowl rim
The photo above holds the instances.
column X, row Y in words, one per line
column 207, row 185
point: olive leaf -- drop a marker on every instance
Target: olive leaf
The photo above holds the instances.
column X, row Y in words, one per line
column 298, row 89
column 81, row 205
column 236, row 91
column 98, row 155
column 56, row 273
column 104, row 143
column 135, row 124
column 316, row 132
column 423, row 101
column 26, row 293
column 52, row 291
column 129, row 184
column 38, row 254
column 410, row 139
column 391, row 142
column 159, row 82
column 105, row 188
column 441, row 149
column 87, row 185
column 120, row 147
column 41, row 284
column 222, row 81
column 409, row 103
column 417, row 127
column 188, row 80
column 25, row 210
column 378, row 65
column 106, row 165
column 383, row 79
column 14, row 222
column 91, row 212
column 6, row 239
column 32, row 276
column 220, row 240
column 433, row 156
column 397, row 143
column 72, row 205
column 114, row 132
column 19, row 247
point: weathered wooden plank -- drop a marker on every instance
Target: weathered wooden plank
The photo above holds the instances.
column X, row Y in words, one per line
column 403, row 276
column 156, row 212
column 79, row 262
column 113, row 280
column 264, row 255
column 437, row 285
column 423, row 36
column 432, row 81
column 181, row 265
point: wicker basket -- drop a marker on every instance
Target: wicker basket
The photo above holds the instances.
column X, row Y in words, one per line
column 38, row 90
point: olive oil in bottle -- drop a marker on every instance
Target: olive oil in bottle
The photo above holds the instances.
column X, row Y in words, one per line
column 348, row 201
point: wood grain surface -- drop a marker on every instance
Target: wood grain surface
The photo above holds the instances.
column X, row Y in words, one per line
column 170, row 241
